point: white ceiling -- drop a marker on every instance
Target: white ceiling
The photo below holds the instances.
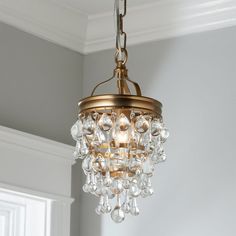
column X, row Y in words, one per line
column 87, row 25
column 92, row 7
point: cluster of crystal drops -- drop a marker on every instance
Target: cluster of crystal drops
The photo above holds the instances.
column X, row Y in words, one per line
column 119, row 150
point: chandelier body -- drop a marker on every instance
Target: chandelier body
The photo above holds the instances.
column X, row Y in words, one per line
column 120, row 138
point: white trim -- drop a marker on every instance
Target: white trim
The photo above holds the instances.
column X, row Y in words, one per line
column 37, row 194
column 47, row 20
column 56, row 150
column 161, row 20
column 56, row 209
column 68, row 26
column 15, row 217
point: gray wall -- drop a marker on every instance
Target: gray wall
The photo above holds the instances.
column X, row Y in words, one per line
column 40, row 85
column 195, row 78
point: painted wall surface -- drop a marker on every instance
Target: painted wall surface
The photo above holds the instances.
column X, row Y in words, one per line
column 195, row 78
column 40, row 85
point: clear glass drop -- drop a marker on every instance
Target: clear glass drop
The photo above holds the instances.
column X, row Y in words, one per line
column 92, row 184
column 106, row 205
column 134, row 164
column 126, row 206
column 141, row 125
column 117, row 214
column 95, row 115
column 164, row 134
column 126, row 183
column 134, row 190
column 147, row 192
column 88, row 126
column 150, row 191
column 148, row 167
column 76, row 130
column 132, row 115
column 145, row 140
column 87, row 164
column 133, row 207
column 158, row 156
column 100, row 135
column 98, row 191
column 117, row 186
column 108, row 192
column 122, row 123
column 144, row 193
column 107, row 181
column 155, row 158
column 143, row 181
column 99, row 209
column 105, row 123
column 162, row 157
column 99, row 164
column 77, row 153
column 83, row 149
column 86, row 187
column 156, row 127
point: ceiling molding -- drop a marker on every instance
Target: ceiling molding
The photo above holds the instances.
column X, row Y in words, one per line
column 161, row 20
column 48, row 20
column 70, row 27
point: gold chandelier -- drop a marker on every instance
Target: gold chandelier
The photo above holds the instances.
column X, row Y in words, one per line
column 120, row 138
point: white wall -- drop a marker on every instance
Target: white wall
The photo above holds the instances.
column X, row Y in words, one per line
column 195, row 78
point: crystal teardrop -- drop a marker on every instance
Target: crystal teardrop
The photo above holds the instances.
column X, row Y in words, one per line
column 141, row 125
column 105, row 122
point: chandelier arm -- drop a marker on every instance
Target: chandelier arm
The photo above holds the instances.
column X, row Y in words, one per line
column 98, row 85
column 136, row 86
column 123, row 87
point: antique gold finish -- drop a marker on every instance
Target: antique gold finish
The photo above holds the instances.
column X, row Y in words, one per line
column 115, row 101
column 119, row 136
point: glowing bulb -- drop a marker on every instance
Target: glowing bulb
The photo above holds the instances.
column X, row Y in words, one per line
column 122, row 137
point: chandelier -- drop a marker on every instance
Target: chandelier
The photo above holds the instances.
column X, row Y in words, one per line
column 120, row 138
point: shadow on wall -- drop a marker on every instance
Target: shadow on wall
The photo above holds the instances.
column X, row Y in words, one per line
column 83, row 208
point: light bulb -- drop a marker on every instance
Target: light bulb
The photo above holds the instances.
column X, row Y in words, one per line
column 122, row 137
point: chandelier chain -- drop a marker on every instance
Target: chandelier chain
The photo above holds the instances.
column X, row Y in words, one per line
column 121, row 51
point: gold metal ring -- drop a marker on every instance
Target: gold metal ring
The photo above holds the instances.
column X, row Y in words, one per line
column 124, row 52
column 116, row 101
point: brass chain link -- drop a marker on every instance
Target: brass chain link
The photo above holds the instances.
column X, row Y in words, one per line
column 121, row 51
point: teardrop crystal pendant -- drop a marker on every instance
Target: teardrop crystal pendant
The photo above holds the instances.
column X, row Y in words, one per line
column 105, row 122
column 120, row 139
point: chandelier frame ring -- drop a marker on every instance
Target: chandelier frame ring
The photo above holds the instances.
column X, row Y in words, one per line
column 118, row 101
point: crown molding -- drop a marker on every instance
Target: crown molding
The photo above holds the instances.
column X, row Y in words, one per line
column 55, row 150
column 47, row 19
column 161, row 20
column 68, row 26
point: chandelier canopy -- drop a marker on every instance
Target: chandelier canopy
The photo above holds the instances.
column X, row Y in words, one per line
column 120, row 138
